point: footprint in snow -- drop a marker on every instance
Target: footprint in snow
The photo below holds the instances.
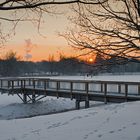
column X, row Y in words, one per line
column 111, row 132
column 96, row 130
column 119, row 130
column 107, row 120
column 65, row 123
column 92, row 113
column 100, row 135
column 87, row 135
column 124, row 127
column 75, row 118
column 86, row 116
column 115, row 111
column 54, row 125
column 36, row 131
column 134, row 123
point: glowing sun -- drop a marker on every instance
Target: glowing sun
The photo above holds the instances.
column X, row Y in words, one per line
column 90, row 60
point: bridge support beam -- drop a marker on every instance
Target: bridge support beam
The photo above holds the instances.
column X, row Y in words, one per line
column 105, row 100
column 86, row 104
column 77, row 104
column 33, row 98
column 24, row 98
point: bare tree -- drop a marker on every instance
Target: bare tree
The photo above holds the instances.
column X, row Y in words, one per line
column 14, row 11
column 28, row 4
column 111, row 29
column 9, row 66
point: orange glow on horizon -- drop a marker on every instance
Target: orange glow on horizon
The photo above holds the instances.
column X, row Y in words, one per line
column 39, row 53
column 90, row 60
column 44, row 52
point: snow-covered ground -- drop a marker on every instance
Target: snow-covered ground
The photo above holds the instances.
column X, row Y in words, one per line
column 101, row 122
column 108, row 122
column 11, row 107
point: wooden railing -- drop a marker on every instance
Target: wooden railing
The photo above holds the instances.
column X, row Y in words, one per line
column 83, row 86
column 34, row 89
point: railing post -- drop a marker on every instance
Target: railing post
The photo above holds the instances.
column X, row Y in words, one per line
column 138, row 89
column 119, row 88
column 77, row 104
column 126, row 92
column 33, row 84
column 33, row 94
column 18, row 83
column 71, row 89
column 38, row 83
column 102, row 87
column 8, row 84
column 24, row 98
column 45, row 85
column 33, row 97
column 24, row 83
column 57, row 88
column 23, row 91
column 87, row 96
column 12, row 84
column 1, row 83
column 105, row 93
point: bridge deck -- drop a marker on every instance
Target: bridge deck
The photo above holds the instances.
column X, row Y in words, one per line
column 34, row 89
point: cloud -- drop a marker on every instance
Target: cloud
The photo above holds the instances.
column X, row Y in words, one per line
column 28, row 49
column 29, row 45
column 28, row 56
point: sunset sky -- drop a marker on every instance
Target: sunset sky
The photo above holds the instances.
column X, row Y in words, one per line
column 30, row 45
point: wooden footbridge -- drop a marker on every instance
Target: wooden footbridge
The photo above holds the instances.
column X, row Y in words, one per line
column 35, row 89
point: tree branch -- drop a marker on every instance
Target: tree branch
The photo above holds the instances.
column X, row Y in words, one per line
column 29, row 5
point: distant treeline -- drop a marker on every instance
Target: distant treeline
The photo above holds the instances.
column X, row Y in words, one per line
column 11, row 65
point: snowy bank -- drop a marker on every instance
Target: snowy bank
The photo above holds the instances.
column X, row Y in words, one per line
column 11, row 108
column 108, row 122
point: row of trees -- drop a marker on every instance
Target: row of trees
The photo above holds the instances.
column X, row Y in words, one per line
column 11, row 65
